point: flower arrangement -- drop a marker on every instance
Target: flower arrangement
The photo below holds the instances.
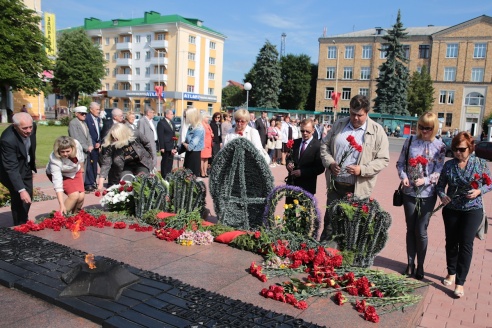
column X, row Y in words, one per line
column 119, row 198
column 151, row 192
column 417, row 170
column 352, row 147
column 185, row 192
column 190, row 237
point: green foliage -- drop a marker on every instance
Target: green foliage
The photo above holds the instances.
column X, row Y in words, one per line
column 218, row 229
column 80, row 65
column 265, row 78
column 295, row 81
column 184, row 219
column 311, row 100
column 65, row 120
column 485, row 123
column 392, row 83
column 151, row 193
column 4, row 195
column 51, row 123
column 22, row 57
column 85, row 101
column 420, row 92
column 233, row 95
column 185, row 192
column 150, row 217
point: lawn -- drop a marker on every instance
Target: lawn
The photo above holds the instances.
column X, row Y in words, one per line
column 45, row 138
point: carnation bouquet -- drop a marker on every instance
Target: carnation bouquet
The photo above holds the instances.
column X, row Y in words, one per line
column 353, row 146
column 417, row 170
column 119, row 198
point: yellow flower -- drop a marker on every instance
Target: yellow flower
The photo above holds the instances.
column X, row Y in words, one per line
column 283, row 266
column 290, row 205
column 296, row 202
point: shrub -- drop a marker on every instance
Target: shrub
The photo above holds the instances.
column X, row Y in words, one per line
column 4, row 195
column 65, row 120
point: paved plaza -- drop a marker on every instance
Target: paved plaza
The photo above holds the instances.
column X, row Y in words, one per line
column 222, row 269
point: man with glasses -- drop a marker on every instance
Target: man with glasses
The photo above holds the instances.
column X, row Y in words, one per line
column 146, row 127
column 359, row 171
column 77, row 129
column 304, row 163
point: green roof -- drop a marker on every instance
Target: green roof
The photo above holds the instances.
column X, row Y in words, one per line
column 150, row 17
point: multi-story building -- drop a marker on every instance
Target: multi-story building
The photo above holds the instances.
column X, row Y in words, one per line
column 458, row 58
column 180, row 54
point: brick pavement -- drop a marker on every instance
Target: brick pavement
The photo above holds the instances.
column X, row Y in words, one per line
column 439, row 308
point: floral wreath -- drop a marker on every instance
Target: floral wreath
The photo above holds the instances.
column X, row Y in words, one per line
column 305, row 200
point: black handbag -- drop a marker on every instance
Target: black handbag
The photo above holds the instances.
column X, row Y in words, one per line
column 181, row 149
column 398, row 194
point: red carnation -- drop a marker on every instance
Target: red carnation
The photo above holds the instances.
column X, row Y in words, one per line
column 122, row 182
column 474, row 184
column 350, row 138
column 365, row 208
column 257, row 234
column 371, row 315
column 290, row 144
column 97, row 193
column 129, row 188
column 476, row 176
column 340, row 299
column 104, row 192
column 121, row 188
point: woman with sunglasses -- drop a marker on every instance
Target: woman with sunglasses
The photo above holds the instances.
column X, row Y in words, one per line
column 466, row 177
column 419, row 194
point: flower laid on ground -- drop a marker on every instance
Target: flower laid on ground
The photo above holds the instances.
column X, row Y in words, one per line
column 119, row 198
column 190, row 237
column 352, row 147
column 168, row 234
column 417, row 170
column 137, row 227
column 119, row 225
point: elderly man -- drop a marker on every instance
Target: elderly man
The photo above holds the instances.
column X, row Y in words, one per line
column 261, row 124
column 77, row 129
column 358, row 173
column 116, row 117
column 94, row 124
column 17, row 161
column 165, row 134
column 147, row 128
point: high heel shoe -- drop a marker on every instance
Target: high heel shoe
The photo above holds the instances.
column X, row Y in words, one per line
column 459, row 293
column 419, row 274
column 449, row 280
column 409, row 271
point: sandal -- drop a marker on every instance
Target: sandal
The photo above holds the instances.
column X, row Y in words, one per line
column 449, row 280
column 459, row 293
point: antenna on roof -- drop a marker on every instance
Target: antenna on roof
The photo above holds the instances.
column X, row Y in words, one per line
column 282, row 45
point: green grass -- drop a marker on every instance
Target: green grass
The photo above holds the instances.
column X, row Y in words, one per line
column 45, row 138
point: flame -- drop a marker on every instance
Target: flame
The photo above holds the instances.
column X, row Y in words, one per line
column 89, row 259
column 76, row 229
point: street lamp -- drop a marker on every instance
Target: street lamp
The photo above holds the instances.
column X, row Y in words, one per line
column 247, row 87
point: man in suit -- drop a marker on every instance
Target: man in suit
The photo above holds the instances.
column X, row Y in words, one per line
column 147, row 128
column 116, row 117
column 304, row 162
column 77, row 129
column 252, row 119
column 17, row 161
column 261, row 124
column 165, row 135
column 94, row 125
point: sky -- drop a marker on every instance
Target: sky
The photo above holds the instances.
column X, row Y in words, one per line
column 247, row 25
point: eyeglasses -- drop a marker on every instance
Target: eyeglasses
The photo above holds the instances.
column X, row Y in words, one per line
column 217, row 117
column 306, row 131
column 83, row 114
column 426, row 128
column 240, row 121
column 460, row 149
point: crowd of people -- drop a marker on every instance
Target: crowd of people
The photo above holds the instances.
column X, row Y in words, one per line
column 351, row 153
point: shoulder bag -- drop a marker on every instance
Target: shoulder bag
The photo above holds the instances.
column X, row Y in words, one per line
column 398, row 194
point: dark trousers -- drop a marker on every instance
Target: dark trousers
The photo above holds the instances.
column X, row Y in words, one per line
column 460, row 228
column 166, row 163
column 19, row 209
column 417, row 227
column 91, row 168
column 193, row 162
column 340, row 192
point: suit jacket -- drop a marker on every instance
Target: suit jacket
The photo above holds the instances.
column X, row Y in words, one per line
column 146, row 130
column 107, row 125
column 165, row 134
column 215, row 130
column 309, row 163
column 77, row 131
column 262, row 129
column 93, row 128
column 14, row 166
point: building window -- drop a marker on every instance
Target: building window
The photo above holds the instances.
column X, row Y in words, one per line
column 442, row 97
column 115, row 56
column 137, row 54
column 346, row 93
column 349, row 52
column 364, row 92
column 449, row 73
column 348, row 73
column 345, row 110
column 161, row 36
column 424, row 51
column 383, row 51
column 477, row 74
column 137, row 86
column 446, row 97
column 137, row 39
column 106, row 41
column 137, row 70
column 191, row 56
column 147, row 71
column 330, row 73
column 211, row 91
column 148, row 37
column 127, row 86
column 365, row 73
column 107, row 72
column 190, row 88
column 126, row 55
column 147, row 86
column 329, row 109
column 479, row 50
column 192, row 39
column 115, row 86
column 211, row 61
column 452, row 50
column 474, row 99
column 106, row 86
column 191, row 72
column 212, row 45
column 106, row 56
column 406, row 51
column 115, row 70
column 127, row 39
column 189, row 104
column 332, row 52
column 211, row 76
column 115, row 39
column 137, row 106
column 147, row 55
column 449, row 119
column 419, row 69
column 450, row 97
column 329, row 92
column 366, row 52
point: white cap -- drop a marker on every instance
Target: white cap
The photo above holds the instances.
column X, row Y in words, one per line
column 80, row 109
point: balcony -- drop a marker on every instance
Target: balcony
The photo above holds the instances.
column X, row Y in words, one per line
column 124, row 46
column 123, row 62
column 157, row 77
column 159, row 44
column 159, row 61
column 123, row 77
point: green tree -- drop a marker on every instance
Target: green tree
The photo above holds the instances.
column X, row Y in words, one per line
column 392, row 83
column 79, row 67
column 295, row 79
column 232, row 95
column 265, row 78
column 420, row 92
column 23, row 50
column 311, row 100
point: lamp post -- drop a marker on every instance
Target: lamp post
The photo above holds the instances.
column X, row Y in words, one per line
column 247, row 87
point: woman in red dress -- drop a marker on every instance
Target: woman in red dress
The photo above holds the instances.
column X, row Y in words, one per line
column 207, row 150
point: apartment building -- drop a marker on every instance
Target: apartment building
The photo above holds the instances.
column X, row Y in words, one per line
column 458, row 57
column 179, row 54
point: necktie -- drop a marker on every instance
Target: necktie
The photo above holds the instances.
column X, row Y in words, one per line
column 302, row 148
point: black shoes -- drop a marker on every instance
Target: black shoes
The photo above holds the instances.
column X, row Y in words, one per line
column 89, row 188
column 419, row 274
column 410, row 270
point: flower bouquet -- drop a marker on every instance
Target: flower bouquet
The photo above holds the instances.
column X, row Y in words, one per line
column 353, row 146
column 119, row 198
column 417, row 170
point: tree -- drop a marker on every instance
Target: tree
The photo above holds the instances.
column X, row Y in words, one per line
column 79, row 67
column 232, row 95
column 311, row 101
column 420, row 92
column 23, row 50
column 265, row 78
column 295, row 79
column 392, row 83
